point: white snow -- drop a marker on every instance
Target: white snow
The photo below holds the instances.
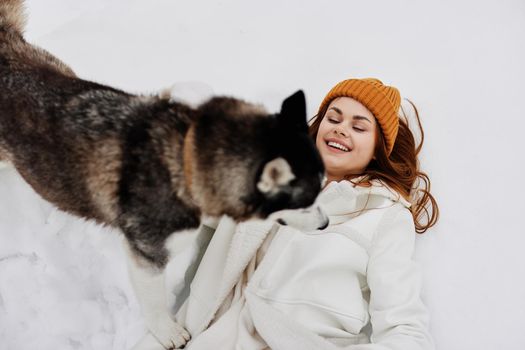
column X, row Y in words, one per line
column 63, row 281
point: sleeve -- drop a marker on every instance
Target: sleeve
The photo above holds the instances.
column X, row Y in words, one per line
column 398, row 316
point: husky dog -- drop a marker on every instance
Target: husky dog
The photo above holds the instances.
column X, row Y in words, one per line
column 146, row 165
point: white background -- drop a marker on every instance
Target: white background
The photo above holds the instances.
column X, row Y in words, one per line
column 63, row 282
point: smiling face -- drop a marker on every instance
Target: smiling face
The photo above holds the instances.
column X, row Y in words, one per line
column 346, row 138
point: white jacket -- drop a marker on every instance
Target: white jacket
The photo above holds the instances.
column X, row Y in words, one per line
column 325, row 289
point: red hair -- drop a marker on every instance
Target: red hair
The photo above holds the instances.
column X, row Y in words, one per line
column 400, row 170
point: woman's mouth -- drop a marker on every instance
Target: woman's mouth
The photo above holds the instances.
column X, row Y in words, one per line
column 337, row 146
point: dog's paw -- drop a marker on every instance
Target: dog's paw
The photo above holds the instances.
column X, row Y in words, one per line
column 170, row 334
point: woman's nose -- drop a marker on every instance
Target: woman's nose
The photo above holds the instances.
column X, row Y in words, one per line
column 341, row 131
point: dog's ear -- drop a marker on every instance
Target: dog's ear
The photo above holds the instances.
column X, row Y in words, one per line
column 293, row 112
column 276, row 174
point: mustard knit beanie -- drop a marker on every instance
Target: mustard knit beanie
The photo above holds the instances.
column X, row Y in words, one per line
column 382, row 100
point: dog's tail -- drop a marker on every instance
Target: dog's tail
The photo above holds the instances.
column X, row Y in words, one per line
column 12, row 16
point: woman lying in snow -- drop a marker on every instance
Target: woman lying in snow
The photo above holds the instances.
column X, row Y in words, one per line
column 352, row 285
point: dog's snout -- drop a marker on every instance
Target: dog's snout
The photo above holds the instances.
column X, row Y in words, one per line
column 324, row 224
column 324, row 220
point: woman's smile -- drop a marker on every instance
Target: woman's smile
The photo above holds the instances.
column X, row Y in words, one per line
column 337, row 146
column 346, row 138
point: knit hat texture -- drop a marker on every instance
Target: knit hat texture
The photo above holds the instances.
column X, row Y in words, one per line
column 382, row 100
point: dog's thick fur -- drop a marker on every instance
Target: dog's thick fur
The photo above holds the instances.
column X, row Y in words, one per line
column 146, row 165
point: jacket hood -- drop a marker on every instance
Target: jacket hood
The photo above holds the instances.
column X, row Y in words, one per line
column 343, row 200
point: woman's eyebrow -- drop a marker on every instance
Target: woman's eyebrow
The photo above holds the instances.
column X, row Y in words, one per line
column 360, row 117
column 337, row 110
column 340, row 112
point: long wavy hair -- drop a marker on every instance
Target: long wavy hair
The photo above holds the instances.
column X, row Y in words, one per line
column 400, row 170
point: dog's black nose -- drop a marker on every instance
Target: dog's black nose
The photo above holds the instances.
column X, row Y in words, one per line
column 282, row 222
column 324, row 224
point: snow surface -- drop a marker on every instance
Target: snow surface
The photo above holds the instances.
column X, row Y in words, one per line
column 63, row 281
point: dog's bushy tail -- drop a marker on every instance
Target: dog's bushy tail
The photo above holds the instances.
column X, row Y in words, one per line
column 12, row 15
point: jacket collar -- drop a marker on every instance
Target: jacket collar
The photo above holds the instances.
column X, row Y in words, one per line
column 343, row 200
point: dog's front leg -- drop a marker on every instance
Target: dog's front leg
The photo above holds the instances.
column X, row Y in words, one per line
column 150, row 287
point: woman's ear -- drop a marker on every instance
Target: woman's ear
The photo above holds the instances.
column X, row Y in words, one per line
column 293, row 112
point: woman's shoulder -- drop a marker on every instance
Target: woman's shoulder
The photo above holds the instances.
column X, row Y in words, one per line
column 345, row 199
column 381, row 189
column 352, row 188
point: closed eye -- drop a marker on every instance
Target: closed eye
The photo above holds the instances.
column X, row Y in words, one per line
column 359, row 129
